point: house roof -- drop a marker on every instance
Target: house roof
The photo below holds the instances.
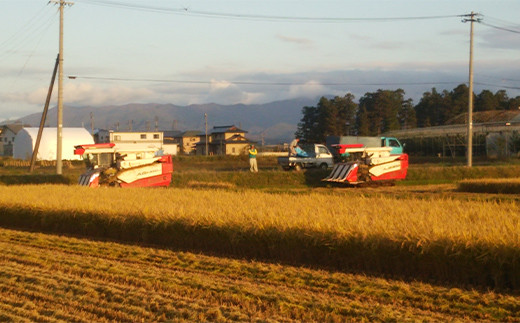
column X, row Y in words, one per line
column 224, row 129
column 190, row 133
column 487, row 116
column 14, row 127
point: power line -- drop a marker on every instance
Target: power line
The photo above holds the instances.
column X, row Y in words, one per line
column 500, row 28
column 500, row 86
column 212, row 14
column 499, row 78
column 254, row 83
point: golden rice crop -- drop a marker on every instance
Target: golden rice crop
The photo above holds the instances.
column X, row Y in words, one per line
column 504, row 186
column 409, row 236
column 465, row 221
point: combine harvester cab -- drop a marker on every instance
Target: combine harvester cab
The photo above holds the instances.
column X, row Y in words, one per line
column 368, row 165
column 107, row 166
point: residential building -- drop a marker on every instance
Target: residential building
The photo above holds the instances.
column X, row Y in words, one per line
column 7, row 134
column 187, row 141
column 224, row 140
column 143, row 140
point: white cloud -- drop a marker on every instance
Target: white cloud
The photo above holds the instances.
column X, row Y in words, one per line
column 303, row 42
column 88, row 94
column 308, row 90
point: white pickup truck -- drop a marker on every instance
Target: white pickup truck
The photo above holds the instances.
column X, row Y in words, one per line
column 315, row 156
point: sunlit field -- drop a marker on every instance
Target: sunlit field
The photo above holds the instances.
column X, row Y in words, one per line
column 465, row 241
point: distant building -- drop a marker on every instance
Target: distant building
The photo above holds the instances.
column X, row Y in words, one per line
column 7, row 134
column 101, row 136
column 25, row 142
column 144, row 140
column 170, row 144
column 188, row 141
column 224, row 140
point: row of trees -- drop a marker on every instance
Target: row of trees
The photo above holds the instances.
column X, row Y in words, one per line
column 386, row 110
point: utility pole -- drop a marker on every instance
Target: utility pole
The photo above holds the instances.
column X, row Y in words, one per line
column 59, row 138
column 44, row 116
column 471, row 19
column 206, row 122
column 92, row 123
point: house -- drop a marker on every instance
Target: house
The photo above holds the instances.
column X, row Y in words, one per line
column 224, row 140
column 142, row 140
column 170, row 143
column 7, row 134
column 187, row 141
column 25, row 142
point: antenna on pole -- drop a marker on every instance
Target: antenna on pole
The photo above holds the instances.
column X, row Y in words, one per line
column 471, row 19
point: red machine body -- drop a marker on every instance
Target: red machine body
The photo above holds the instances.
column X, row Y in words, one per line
column 108, row 166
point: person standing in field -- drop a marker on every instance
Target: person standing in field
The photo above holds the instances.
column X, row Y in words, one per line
column 292, row 147
column 252, row 159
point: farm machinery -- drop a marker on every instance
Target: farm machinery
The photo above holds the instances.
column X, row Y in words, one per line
column 365, row 165
column 108, row 166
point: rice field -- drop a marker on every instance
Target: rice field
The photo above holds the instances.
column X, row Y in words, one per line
column 466, row 242
column 49, row 278
column 491, row 186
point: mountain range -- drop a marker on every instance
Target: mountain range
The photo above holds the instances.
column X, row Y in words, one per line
column 276, row 122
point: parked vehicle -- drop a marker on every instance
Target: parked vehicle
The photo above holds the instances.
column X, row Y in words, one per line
column 369, row 165
column 314, row 155
column 344, row 142
column 108, row 166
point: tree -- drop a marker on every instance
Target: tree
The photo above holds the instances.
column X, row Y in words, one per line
column 459, row 102
column 486, row 101
column 329, row 117
column 307, row 127
column 382, row 110
column 362, row 123
column 407, row 117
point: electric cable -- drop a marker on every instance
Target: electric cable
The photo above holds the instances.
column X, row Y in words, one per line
column 212, row 14
column 254, row 83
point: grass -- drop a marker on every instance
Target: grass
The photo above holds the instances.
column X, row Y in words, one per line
column 48, row 278
column 458, row 241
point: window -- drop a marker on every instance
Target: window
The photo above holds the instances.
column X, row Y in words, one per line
column 117, row 138
column 143, row 136
column 233, row 150
column 393, row 143
column 155, row 136
column 322, row 150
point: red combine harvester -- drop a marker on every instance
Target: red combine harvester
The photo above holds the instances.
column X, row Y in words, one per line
column 107, row 166
column 366, row 165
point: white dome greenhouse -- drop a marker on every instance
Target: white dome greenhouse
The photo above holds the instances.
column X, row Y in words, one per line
column 25, row 141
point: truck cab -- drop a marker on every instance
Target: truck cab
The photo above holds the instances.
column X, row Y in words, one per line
column 315, row 155
column 397, row 147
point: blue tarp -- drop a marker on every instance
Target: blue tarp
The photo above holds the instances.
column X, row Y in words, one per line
column 301, row 153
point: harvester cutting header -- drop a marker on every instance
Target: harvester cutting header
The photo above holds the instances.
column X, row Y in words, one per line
column 108, row 166
column 367, row 164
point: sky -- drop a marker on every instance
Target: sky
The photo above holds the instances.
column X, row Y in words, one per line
column 250, row 51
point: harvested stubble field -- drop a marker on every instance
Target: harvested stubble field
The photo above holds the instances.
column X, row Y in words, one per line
column 47, row 278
